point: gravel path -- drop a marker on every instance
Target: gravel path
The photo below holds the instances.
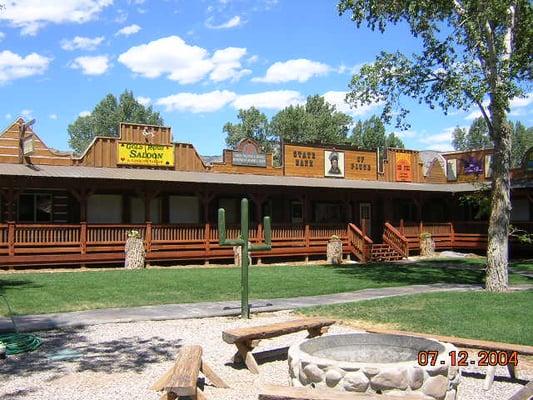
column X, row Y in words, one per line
column 121, row 361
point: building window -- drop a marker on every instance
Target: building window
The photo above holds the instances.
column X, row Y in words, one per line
column 35, row 207
column 104, row 209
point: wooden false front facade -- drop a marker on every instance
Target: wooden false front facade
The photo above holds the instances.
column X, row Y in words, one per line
column 57, row 209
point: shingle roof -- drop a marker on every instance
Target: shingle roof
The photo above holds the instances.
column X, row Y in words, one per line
column 135, row 174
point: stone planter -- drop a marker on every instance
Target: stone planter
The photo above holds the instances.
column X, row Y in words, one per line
column 374, row 363
column 134, row 253
column 334, row 251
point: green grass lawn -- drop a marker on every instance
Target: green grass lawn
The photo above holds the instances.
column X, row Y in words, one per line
column 505, row 317
column 36, row 293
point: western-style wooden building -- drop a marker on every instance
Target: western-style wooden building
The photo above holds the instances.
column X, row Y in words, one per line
column 61, row 209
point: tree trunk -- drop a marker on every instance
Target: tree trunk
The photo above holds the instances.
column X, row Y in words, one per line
column 498, row 234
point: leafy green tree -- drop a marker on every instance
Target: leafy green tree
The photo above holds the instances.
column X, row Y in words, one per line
column 370, row 134
column 459, row 138
column 253, row 125
column 105, row 118
column 522, row 140
column 477, row 136
column 471, row 50
column 315, row 122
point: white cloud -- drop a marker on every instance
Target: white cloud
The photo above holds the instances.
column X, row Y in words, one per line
column 8, row 116
column 231, row 23
column 96, row 65
column 275, row 100
column 344, row 69
column 53, row 116
column 227, row 65
column 84, row 114
column 81, row 43
column 143, row 100
column 441, row 141
column 27, row 114
column 2, row 36
column 519, row 102
column 128, row 30
column 336, row 98
column 253, row 59
column 299, row 70
column 32, row 15
column 197, row 103
column 405, row 134
column 517, row 106
column 13, row 66
column 181, row 62
column 441, row 146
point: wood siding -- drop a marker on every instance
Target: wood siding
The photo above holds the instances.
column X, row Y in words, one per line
column 462, row 161
column 9, row 149
column 390, row 164
column 436, row 173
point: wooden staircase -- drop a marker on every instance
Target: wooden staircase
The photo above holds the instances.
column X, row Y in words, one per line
column 394, row 247
column 384, row 252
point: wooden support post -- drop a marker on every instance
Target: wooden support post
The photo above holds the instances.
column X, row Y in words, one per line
column 148, row 237
column 452, row 235
column 212, row 376
column 307, row 236
column 11, row 238
column 245, row 351
column 83, row 237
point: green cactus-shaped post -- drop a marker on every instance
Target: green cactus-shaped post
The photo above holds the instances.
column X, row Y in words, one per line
column 246, row 248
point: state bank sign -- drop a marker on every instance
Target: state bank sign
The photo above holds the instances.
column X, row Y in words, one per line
column 151, row 155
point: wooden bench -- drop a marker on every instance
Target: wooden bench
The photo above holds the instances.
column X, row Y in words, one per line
column 526, row 393
column 473, row 344
column 274, row 392
column 246, row 339
column 181, row 379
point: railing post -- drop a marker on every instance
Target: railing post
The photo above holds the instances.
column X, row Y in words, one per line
column 259, row 232
column 11, row 238
column 148, row 237
column 306, row 236
column 420, row 227
column 83, row 237
column 401, row 226
column 207, row 238
column 452, row 235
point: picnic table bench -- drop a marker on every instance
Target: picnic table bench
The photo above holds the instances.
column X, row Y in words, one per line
column 246, row 339
column 473, row 344
column 181, row 379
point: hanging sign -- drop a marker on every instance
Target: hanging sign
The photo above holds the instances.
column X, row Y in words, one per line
column 155, row 155
column 28, row 146
column 251, row 160
column 403, row 167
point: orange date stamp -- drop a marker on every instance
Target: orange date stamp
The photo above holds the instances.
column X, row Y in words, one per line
column 461, row 358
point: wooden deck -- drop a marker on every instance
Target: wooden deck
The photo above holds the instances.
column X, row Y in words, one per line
column 75, row 244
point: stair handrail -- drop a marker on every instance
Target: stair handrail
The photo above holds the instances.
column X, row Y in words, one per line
column 396, row 240
column 361, row 243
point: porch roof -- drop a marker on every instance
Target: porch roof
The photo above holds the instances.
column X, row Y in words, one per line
column 137, row 174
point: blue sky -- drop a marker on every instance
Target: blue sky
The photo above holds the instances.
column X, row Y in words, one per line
column 195, row 61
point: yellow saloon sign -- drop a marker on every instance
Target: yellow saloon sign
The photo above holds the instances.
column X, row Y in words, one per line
column 156, row 155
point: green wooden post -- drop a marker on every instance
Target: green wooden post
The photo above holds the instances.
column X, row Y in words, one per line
column 243, row 242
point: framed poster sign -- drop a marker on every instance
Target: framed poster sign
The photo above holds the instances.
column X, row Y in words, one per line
column 403, row 167
column 451, row 169
column 334, row 163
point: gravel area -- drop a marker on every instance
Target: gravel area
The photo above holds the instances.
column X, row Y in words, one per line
column 121, row 361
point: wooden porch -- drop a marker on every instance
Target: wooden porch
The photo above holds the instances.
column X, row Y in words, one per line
column 81, row 244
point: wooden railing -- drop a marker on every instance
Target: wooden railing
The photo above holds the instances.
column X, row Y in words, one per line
column 396, row 240
column 361, row 245
column 99, row 243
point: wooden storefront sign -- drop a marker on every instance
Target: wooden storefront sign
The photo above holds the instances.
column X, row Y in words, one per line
column 155, row 155
column 403, row 167
column 249, row 160
column 334, row 164
column 28, row 146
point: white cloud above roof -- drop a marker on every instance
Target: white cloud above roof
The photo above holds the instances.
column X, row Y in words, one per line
column 178, row 61
column 143, row 100
column 300, row 70
column 336, row 98
column 14, row 66
column 81, row 43
column 274, row 100
column 128, row 30
column 84, row 113
column 197, row 103
column 32, row 15
column 231, row 23
column 90, row 65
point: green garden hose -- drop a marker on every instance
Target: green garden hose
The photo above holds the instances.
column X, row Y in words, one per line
column 16, row 343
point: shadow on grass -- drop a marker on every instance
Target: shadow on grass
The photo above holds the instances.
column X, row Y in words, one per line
column 12, row 284
column 408, row 274
column 64, row 352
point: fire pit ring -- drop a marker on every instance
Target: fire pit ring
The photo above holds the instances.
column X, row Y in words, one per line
column 375, row 363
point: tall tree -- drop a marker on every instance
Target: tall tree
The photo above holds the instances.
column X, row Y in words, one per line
column 105, row 118
column 253, row 125
column 370, row 134
column 522, row 140
column 472, row 50
column 459, row 141
column 316, row 121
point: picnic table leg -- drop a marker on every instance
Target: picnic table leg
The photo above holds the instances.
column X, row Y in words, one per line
column 314, row 332
column 210, row 374
column 168, row 396
column 200, row 395
column 245, row 351
column 489, row 377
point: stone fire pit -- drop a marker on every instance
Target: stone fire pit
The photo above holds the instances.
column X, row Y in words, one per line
column 374, row 363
